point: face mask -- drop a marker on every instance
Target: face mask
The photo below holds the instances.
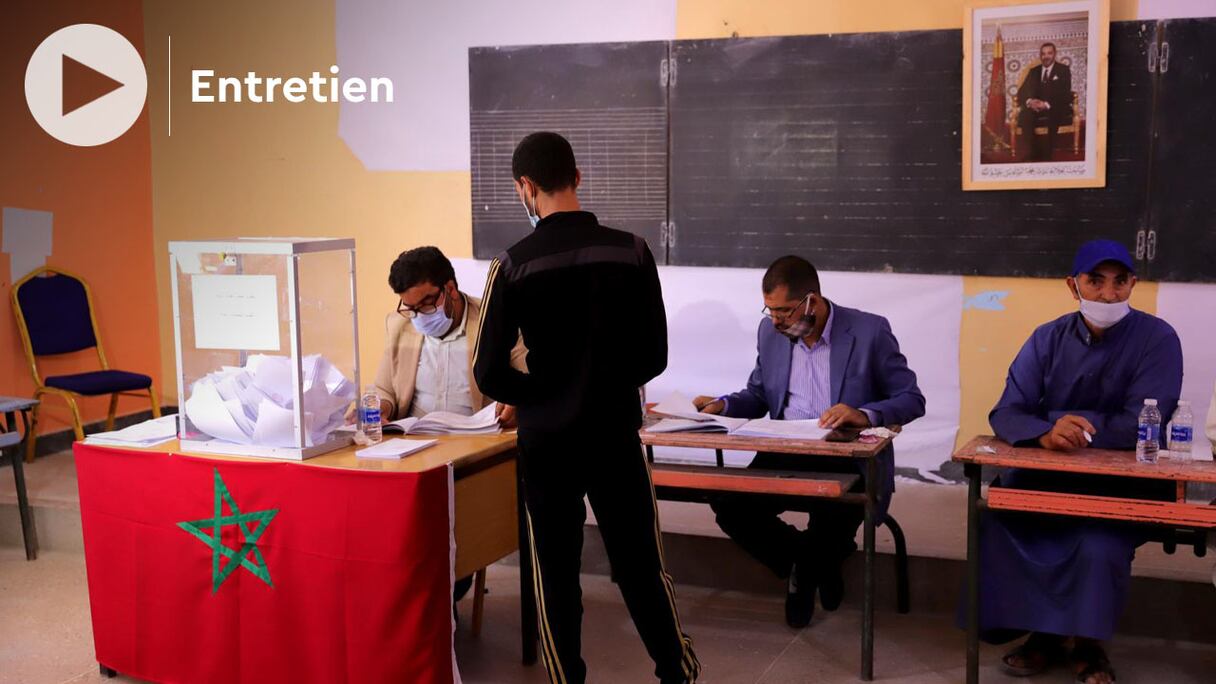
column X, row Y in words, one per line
column 1102, row 315
column 801, row 327
column 533, row 218
column 434, row 324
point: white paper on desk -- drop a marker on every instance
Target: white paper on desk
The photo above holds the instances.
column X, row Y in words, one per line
column 684, row 425
column 681, row 408
column 236, row 312
column 791, row 429
column 148, row 433
column 394, row 448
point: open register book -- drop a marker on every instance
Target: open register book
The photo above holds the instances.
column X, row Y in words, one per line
column 684, row 417
column 484, row 422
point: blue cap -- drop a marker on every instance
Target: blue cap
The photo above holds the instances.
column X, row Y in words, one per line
column 1096, row 252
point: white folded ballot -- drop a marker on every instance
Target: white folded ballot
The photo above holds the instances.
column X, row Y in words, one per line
column 394, row 448
column 253, row 404
column 686, row 418
column 146, row 434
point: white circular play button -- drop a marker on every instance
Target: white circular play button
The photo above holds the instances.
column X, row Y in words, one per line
column 85, row 84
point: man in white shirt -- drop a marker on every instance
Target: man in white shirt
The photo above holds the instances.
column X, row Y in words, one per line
column 428, row 357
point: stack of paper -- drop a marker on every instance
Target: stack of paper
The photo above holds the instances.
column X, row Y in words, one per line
column 687, row 419
column 394, row 448
column 254, row 404
column 787, row 429
column 484, row 422
column 146, row 434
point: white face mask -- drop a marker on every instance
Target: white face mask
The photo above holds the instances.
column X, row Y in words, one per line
column 1102, row 315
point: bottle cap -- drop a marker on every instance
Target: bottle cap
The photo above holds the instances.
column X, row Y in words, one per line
column 1150, row 402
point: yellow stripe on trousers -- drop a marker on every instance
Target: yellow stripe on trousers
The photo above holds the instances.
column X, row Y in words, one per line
column 688, row 659
column 485, row 306
column 548, row 648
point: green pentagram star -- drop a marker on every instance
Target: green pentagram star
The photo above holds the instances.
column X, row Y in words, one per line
column 220, row 572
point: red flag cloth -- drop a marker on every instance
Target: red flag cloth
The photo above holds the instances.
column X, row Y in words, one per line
column 994, row 117
column 330, row 575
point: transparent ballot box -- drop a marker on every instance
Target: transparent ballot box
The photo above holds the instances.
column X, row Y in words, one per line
column 267, row 345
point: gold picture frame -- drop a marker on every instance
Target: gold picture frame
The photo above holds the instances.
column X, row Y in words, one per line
column 1034, row 94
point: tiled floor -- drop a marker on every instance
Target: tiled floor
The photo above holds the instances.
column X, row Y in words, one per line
column 45, row 636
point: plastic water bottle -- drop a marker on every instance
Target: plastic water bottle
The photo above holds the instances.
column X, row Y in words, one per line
column 1149, row 432
column 1180, row 431
column 369, row 416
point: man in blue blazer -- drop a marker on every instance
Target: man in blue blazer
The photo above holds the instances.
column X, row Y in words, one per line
column 816, row 360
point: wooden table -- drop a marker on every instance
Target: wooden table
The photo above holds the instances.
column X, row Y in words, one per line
column 10, row 406
column 489, row 518
column 830, row 485
column 990, row 451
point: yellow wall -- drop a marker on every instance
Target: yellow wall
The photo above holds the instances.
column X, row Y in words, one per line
column 278, row 169
column 723, row 18
column 281, row 169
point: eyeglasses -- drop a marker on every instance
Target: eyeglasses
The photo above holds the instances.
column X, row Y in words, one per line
column 407, row 311
column 783, row 311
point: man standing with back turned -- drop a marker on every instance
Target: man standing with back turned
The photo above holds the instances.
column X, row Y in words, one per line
column 587, row 300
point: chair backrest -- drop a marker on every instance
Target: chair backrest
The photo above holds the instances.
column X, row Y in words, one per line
column 54, row 308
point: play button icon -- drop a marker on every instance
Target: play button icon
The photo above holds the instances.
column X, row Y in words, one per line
column 85, row 84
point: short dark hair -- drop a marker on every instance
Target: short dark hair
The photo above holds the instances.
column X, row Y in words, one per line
column 795, row 273
column 420, row 265
column 1050, row 45
column 545, row 158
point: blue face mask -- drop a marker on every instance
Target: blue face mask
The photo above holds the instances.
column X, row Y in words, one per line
column 434, row 324
column 533, row 218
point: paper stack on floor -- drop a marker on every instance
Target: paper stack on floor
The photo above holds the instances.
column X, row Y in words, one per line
column 686, row 418
column 146, row 434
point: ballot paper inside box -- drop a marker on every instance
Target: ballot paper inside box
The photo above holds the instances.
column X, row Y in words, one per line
column 267, row 344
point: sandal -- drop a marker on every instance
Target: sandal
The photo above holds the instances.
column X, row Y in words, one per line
column 1038, row 653
column 1091, row 660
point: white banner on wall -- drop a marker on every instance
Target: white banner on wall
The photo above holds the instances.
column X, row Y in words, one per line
column 423, row 47
column 1190, row 308
column 712, row 314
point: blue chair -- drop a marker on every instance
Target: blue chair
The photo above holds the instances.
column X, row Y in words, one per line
column 54, row 311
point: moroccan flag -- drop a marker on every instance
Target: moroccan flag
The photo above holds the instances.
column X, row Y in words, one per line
column 994, row 117
column 209, row 570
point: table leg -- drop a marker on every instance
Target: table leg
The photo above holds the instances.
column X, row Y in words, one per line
column 28, row 534
column 527, row 595
column 867, row 617
column 973, row 473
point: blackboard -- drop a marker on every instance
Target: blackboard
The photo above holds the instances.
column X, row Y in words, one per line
column 607, row 99
column 1182, row 220
column 845, row 149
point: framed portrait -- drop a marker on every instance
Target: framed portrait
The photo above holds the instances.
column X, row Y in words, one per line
column 1034, row 94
